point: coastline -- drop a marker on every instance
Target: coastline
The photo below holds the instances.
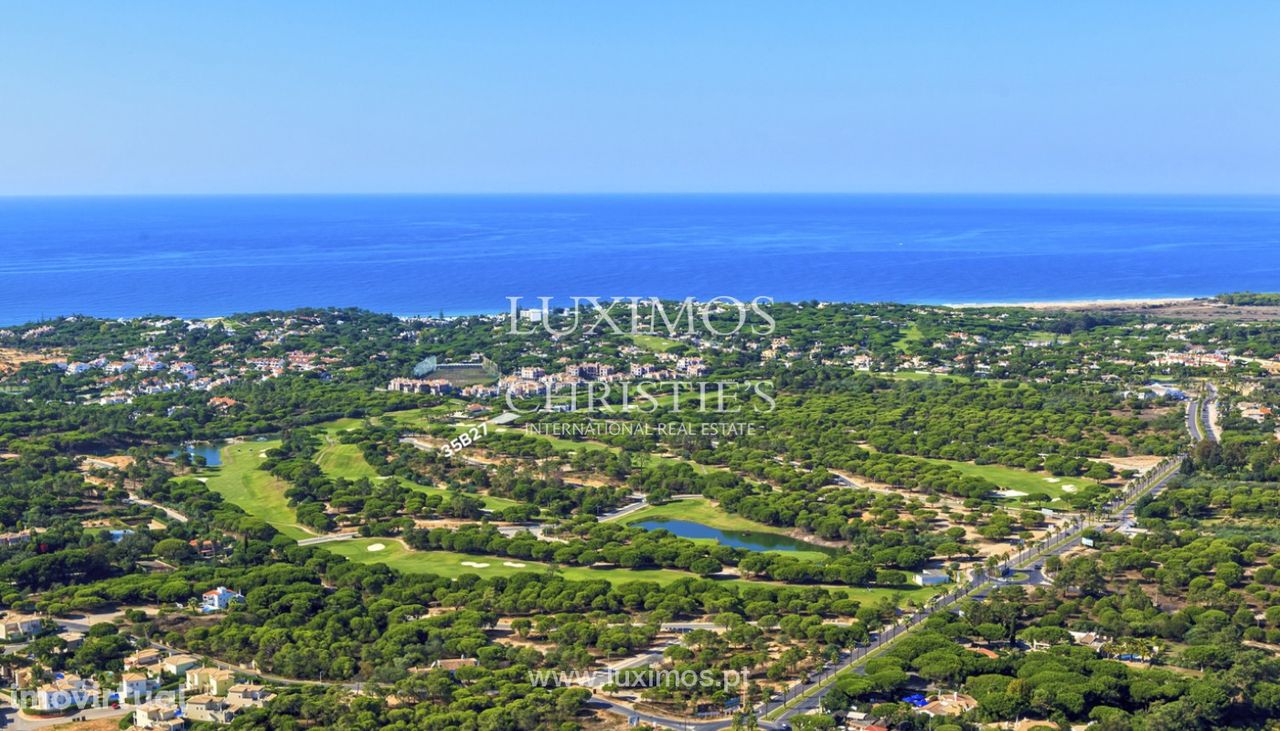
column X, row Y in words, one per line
column 1068, row 304
column 1076, row 304
column 1119, row 303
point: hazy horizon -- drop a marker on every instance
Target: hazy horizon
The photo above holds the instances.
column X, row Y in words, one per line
column 990, row 97
column 644, row 193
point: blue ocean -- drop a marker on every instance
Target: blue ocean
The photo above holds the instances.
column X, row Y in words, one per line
column 200, row 256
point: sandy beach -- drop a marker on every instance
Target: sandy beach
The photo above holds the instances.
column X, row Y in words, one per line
column 1204, row 309
column 1083, row 304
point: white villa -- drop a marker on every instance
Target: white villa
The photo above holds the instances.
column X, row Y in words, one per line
column 217, row 600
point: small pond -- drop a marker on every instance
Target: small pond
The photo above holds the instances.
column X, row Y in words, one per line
column 750, row 540
column 211, row 451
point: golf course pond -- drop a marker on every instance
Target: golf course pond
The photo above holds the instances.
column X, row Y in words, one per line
column 211, row 451
column 750, row 540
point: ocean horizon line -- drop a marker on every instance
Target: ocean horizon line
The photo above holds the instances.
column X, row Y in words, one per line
column 1043, row 303
column 644, row 194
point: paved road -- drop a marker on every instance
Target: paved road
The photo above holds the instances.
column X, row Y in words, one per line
column 628, row 509
column 10, row 719
column 1209, row 412
column 634, row 716
column 1202, row 416
column 133, row 497
column 328, row 538
column 1194, row 420
column 641, row 502
column 1028, row 561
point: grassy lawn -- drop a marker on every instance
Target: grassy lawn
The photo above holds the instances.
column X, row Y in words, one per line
column 922, row 376
column 258, row 493
column 912, row 335
column 699, row 510
column 1048, row 337
column 654, row 343
column 344, row 460
column 566, row 445
column 1009, row 478
column 491, row 503
column 261, row 494
column 420, row 419
column 559, row 443
column 450, row 564
column 919, row 594
column 332, row 428
column 802, row 555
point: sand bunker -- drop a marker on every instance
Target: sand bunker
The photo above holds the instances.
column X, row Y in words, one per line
column 1068, row 488
column 475, row 565
column 1052, row 479
column 377, row 546
column 513, row 564
column 1011, row 493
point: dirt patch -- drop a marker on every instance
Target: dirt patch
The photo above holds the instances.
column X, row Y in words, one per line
column 512, row 640
column 605, row 721
column 887, row 489
column 580, row 478
column 1176, row 309
column 1140, row 463
column 113, row 462
column 12, row 359
column 803, row 535
column 449, row 523
column 100, row 724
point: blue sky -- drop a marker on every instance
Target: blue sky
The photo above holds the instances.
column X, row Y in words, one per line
column 554, row 96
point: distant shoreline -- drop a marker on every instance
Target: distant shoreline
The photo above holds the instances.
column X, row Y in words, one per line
column 1119, row 303
column 1082, row 303
column 1071, row 304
